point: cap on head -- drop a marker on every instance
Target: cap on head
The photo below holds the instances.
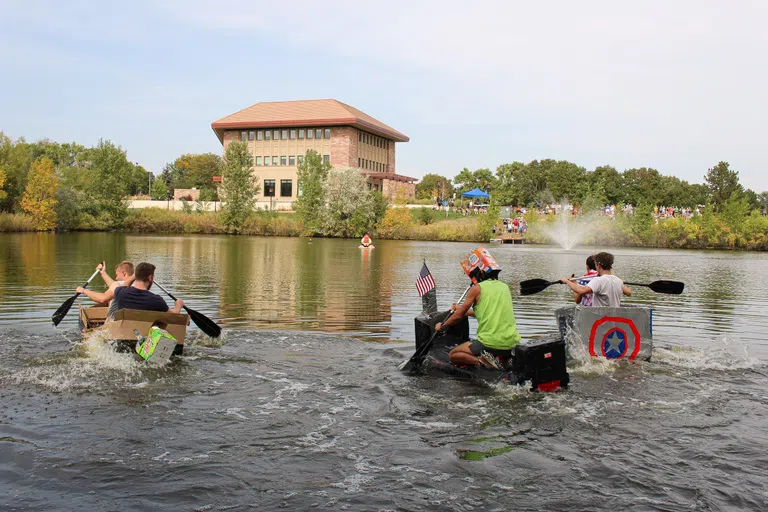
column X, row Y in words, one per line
column 480, row 265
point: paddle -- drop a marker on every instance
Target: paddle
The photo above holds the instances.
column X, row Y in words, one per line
column 671, row 287
column 416, row 358
column 535, row 286
column 60, row 313
column 205, row 324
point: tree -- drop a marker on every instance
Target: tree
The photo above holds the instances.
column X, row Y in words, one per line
column 15, row 161
column 239, row 185
column 464, row 181
column 312, row 176
column 434, row 186
column 193, row 171
column 722, row 183
column 3, row 193
column 39, row 199
column 351, row 209
column 159, row 188
column 111, row 174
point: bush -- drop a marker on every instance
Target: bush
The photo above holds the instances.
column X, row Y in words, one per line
column 12, row 222
column 424, row 216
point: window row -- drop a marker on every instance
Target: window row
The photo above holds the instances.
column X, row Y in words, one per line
column 284, row 160
column 289, row 134
column 364, row 163
column 373, row 140
column 286, row 188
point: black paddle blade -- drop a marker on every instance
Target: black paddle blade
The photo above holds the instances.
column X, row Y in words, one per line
column 535, row 286
column 671, row 287
column 205, row 324
column 60, row 313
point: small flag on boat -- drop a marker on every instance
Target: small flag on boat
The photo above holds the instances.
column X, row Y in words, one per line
column 424, row 283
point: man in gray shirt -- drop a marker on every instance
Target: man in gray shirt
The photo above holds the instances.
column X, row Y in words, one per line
column 606, row 288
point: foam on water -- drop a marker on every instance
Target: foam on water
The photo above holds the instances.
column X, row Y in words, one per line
column 93, row 364
column 723, row 354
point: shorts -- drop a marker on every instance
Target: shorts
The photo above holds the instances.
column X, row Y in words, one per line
column 477, row 348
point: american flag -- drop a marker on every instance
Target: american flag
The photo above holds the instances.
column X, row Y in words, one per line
column 424, row 283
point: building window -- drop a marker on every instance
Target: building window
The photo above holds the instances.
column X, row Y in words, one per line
column 276, row 135
column 274, row 160
column 359, row 162
column 310, row 134
column 269, row 188
column 286, row 188
column 251, row 135
column 259, row 135
column 301, row 134
column 291, row 160
column 318, row 133
column 300, row 159
column 258, row 160
column 285, row 135
column 326, row 159
column 267, row 135
column 327, row 133
column 266, row 160
column 359, row 136
column 293, row 134
column 243, row 136
column 282, row 160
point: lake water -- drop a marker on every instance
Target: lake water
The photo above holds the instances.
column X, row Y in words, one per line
column 300, row 404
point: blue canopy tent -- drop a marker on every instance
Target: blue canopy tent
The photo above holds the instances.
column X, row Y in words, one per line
column 476, row 192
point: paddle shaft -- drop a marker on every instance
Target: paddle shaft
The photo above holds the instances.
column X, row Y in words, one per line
column 205, row 324
column 90, row 279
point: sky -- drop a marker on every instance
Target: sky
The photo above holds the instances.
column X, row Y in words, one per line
column 677, row 86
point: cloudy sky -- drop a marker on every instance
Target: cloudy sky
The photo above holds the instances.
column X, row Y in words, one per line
column 676, row 86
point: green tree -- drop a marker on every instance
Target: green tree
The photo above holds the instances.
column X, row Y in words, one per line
column 39, row 199
column 641, row 186
column 193, row 171
column 239, row 185
column 351, row 208
column 722, row 183
column 159, row 188
column 111, row 175
column 312, row 176
column 605, row 184
column 15, row 161
column 464, row 181
column 434, row 186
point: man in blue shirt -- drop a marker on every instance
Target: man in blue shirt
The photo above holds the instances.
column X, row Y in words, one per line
column 138, row 295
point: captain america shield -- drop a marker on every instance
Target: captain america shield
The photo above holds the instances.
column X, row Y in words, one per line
column 614, row 338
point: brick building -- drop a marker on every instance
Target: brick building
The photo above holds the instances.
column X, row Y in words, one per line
column 280, row 133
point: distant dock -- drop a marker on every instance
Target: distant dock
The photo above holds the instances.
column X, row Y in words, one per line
column 509, row 238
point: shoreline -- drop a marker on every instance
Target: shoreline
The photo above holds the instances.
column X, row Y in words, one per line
column 609, row 233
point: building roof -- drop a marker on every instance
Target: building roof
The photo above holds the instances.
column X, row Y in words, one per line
column 273, row 114
column 390, row 176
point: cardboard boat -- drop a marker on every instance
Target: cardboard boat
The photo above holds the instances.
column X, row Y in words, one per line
column 541, row 361
column 625, row 332
column 127, row 320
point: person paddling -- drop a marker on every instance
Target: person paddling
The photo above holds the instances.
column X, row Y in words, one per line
column 585, row 299
column 138, row 295
column 366, row 240
column 606, row 288
column 123, row 277
column 490, row 301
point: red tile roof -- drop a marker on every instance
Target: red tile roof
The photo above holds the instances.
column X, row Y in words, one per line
column 304, row 113
column 390, row 176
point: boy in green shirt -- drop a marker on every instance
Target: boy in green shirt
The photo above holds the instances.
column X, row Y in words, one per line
column 490, row 301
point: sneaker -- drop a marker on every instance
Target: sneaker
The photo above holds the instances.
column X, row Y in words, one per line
column 489, row 360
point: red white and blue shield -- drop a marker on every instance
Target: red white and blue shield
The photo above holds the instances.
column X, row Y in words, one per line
column 614, row 338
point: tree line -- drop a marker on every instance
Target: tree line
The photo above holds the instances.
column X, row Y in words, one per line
column 541, row 182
